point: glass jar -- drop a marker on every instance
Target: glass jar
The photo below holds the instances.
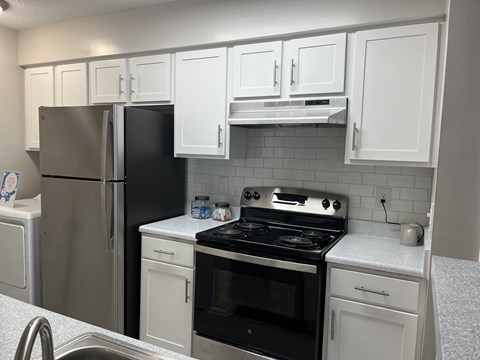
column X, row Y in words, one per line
column 222, row 211
column 201, row 207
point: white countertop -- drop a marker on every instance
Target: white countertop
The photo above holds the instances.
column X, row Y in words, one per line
column 365, row 247
column 25, row 209
column 456, row 304
column 15, row 315
column 184, row 227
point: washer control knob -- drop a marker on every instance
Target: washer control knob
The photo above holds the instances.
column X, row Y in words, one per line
column 337, row 205
column 256, row 195
column 325, row 204
column 247, row 195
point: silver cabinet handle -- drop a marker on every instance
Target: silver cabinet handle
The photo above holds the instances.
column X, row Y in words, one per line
column 120, row 79
column 275, row 82
column 131, row 83
column 164, row 252
column 361, row 288
column 219, row 136
column 291, row 73
column 354, row 145
column 186, row 290
column 332, row 326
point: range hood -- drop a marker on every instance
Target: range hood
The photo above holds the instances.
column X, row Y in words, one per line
column 295, row 112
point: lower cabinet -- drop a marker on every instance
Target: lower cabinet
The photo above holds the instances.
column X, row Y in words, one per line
column 166, row 307
column 361, row 331
column 373, row 317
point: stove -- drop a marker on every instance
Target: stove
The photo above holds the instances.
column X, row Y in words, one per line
column 260, row 281
column 291, row 223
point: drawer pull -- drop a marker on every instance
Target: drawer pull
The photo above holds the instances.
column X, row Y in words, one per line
column 164, row 252
column 361, row 288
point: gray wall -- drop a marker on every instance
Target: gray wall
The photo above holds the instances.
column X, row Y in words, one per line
column 12, row 126
column 456, row 229
column 314, row 159
column 197, row 22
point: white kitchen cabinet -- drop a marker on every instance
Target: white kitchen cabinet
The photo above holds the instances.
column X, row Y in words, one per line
column 39, row 91
column 366, row 332
column 316, row 64
column 200, row 102
column 257, row 69
column 373, row 316
column 71, row 85
column 313, row 65
column 150, row 78
column 166, row 305
column 108, row 81
column 392, row 101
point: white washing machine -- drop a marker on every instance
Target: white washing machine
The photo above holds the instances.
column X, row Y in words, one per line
column 19, row 250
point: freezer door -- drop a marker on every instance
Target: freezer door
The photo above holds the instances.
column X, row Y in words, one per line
column 82, row 142
column 82, row 250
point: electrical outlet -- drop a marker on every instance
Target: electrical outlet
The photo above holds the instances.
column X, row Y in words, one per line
column 223, row 184
column 383, row 193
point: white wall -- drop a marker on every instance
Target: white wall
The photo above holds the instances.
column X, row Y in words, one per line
column 190, row 23
column 456, row 228
column 12, row 140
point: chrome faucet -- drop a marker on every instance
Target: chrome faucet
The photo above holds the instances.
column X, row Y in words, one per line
column 35, row 326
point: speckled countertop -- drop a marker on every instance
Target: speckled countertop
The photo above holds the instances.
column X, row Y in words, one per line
column 184, row 227
column 15, row 315
column 376, row 246
column 456, row 303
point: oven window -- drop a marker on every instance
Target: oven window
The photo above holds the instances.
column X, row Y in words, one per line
column 253, row 294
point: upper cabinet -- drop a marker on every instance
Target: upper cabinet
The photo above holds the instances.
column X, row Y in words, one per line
column 108, row 81
column 317, row 64
column 39, row 85
column 150, row 78
column 314, row 65
column 256, row 69
column 392, row 102
column 145, row 79
column 71, row 85
column 200, row 108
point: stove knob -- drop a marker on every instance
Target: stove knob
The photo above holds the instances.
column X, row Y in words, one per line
column 256, row 195
column 247, row 195
column 326, row 204
column 337, row 205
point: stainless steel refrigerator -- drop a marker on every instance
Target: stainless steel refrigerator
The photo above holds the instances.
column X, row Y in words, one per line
column 105, row 170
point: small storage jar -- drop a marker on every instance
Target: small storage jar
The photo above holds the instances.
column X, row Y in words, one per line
column 222, row 211
column 202, row 207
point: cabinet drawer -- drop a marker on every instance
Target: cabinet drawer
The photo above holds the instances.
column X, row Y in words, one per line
column 375, row 289
column 168, row 251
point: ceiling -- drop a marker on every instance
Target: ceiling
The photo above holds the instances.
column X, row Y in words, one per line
column 30, row 13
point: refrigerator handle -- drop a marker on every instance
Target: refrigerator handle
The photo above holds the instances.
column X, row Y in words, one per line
column 104, row 208
column 104, row 147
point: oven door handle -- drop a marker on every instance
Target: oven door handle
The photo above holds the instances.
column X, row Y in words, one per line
column 279, row 264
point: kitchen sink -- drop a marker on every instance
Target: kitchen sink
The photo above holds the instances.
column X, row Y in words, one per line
column 94, row 346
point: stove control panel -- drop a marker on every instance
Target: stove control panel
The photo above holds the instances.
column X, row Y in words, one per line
column 296, row 200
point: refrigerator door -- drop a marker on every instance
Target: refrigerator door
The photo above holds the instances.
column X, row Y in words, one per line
column 82, row 250
column 82, row 142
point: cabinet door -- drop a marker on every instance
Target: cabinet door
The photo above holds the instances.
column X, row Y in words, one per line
column 71, row 85
column 393, row 94
column 359, row 332
column 38, row 92
column 166, row 309
column 150, row 78
column 200, row 102
column 316, row 64
column 256, row 69
column 108, row 81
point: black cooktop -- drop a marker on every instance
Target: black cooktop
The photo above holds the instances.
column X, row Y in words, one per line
column 281, row 239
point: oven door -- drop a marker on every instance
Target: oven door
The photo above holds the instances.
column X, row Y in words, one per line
column 262, row 304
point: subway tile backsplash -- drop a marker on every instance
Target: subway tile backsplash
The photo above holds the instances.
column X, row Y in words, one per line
column 313, row 158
